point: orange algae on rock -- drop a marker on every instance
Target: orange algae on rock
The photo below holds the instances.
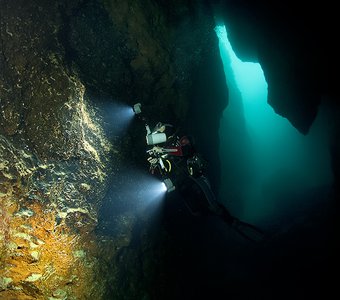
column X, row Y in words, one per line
column 42, row 259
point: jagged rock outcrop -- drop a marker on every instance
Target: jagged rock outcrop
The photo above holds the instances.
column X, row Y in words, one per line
column 294, row 47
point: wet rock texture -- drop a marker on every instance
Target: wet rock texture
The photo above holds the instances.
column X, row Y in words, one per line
column 46, row 239
column 57, row 156
column 55, row 161
column 61, row 63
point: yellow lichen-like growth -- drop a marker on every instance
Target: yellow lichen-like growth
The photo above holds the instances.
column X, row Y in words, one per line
column 87, row 122
column 40, row 258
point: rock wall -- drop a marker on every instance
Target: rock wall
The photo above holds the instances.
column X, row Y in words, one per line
column 55, row 163
column 61, row 64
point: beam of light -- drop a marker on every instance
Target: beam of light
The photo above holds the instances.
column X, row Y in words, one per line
column 283, row 159
column 154, row 190
column 133, row 196
column 135, row 190
column 145, row 193
column 119, row 117
column 144, row 189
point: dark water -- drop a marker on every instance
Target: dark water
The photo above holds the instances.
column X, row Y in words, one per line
column 212, row 261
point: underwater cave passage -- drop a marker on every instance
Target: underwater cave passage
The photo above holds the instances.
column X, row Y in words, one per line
column 268, row 166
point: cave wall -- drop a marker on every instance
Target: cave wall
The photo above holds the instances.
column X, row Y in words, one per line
column 55, row 161
column 61, row 64
column 162, row 55
column 294, row 47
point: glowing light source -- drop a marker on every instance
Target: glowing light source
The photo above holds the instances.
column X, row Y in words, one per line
column 141, row 188
column 150, row 190
column 137, row 108
column 163, row 187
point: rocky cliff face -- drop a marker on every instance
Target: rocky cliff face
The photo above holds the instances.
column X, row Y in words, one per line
column 61, row 64
column 55, row 161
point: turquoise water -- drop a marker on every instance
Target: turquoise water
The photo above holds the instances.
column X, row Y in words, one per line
column 265, row 160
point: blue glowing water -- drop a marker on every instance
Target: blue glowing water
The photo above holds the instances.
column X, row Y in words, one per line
column 265, row 160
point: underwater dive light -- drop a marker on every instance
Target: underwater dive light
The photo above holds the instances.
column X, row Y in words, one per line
column 137, row 108
column 169, row 185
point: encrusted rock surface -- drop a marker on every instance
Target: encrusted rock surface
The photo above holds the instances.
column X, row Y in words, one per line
column 54, row 167
column 61, row 63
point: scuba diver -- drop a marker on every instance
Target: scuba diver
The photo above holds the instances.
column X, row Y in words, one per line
column 176, row 162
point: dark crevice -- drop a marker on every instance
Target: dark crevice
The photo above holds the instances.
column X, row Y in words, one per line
column 64, row 33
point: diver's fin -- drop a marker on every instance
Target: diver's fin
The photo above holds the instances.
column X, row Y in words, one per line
column 248, row 231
